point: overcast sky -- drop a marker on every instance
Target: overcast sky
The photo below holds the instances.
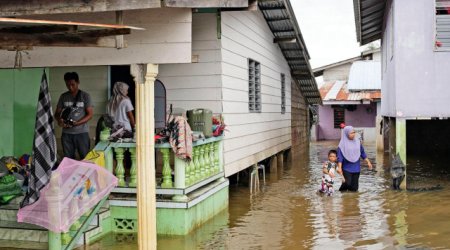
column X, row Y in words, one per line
column 328, row 27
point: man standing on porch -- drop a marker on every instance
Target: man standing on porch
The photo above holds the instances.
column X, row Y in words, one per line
column 73, row 111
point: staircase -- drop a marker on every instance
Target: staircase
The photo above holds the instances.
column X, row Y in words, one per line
column 15, row 235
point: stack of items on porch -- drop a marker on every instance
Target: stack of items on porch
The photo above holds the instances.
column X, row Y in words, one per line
column 183, row 129
column 13, row 174
column 113, row 133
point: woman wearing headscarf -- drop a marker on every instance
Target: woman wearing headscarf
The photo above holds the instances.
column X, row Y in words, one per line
column 350, row 151
column 120, row 107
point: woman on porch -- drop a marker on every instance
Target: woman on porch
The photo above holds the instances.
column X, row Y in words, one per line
column 121, row 108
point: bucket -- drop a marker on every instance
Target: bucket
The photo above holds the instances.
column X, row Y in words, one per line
column 200, row 120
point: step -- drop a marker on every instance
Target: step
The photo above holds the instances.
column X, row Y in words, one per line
column 15, row 231
column 10, row 230
column 194, row 197
column 15, row 244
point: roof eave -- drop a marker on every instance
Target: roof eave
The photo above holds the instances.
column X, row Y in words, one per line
column 369, row 16
column 289, row 38
column 357, row 10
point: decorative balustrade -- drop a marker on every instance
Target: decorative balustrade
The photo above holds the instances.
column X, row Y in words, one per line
column 205, row 166
column 119, row 148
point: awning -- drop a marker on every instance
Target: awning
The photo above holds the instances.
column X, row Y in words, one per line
column 369, row 16
column 283, row 24
column 9, row 8
column 20, row 34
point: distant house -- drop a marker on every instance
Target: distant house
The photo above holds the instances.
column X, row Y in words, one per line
column 415, row 72
column 351, row 95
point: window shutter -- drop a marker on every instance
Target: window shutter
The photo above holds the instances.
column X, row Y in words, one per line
column 254, row 86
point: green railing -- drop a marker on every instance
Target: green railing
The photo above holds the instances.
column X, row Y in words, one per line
column 206, row 162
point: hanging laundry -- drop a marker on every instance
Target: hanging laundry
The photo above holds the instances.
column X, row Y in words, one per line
column 180, row 137
column 44, row 146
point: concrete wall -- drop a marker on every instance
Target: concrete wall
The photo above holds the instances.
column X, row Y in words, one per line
column 379, row 136
column 388, row 68
column 166, row 39
column 376, row 56
column 420, row 74
column 340, row 72
column 360, row 119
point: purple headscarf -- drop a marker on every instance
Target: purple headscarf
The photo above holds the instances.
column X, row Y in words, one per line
column 351, row 149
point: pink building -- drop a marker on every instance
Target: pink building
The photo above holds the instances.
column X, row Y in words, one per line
column 351, row 94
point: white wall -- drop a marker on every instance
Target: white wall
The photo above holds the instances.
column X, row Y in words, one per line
column 252, row 136
column 388, row 68
column 219, row 81
column 197, row 85
column 166, row 39
column 422, row 74
column 340, row 72
column 376, row 56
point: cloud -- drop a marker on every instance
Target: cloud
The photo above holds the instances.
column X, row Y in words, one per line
column 328, row 27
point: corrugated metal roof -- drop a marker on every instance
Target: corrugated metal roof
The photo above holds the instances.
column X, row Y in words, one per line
column 334, row 91
column 369, row 19
column 365, row 75
column 282, row 22
column 338, row 91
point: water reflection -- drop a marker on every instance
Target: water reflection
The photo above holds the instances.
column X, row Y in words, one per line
column 289, row 214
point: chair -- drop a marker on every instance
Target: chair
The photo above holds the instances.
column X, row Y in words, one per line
column 254, row 177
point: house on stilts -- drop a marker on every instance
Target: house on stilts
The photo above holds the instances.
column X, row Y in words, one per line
column 243, row 60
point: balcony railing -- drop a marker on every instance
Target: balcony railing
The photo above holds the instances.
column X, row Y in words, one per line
column 206, row 166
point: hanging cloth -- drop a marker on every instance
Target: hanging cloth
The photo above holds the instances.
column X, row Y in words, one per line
column 180, row 137
column 44, row 146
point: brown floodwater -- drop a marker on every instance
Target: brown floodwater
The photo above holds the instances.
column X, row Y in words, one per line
column 289, row 214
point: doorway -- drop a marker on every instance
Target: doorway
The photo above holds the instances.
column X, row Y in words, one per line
column 121, row 73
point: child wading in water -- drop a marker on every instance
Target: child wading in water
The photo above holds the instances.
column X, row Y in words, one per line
column 329, row 172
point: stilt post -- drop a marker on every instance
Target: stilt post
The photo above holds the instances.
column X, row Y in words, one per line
column 145, row 76
column 400, row 144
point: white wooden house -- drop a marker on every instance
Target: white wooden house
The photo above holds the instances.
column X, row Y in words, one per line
column 250, row 66
column 225, row 47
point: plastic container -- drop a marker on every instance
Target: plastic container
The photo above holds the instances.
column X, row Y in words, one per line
column 20, row 179
column 200, row 120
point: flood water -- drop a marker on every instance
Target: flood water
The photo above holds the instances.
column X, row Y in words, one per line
column 289, row 214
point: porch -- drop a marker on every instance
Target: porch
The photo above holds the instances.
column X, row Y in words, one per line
column 187, row 195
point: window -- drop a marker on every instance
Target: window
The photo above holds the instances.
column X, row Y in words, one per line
column 442, row 40
column 254, row 86
column 339, row 117
column 283, row 94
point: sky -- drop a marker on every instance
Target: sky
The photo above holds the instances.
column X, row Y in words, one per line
column 328, row 28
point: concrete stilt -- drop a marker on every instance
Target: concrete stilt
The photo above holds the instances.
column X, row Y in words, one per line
column 280, row 158
column 273, row 176
column 400, row 144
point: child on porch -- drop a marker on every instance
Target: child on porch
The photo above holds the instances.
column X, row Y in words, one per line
column 329, row 172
